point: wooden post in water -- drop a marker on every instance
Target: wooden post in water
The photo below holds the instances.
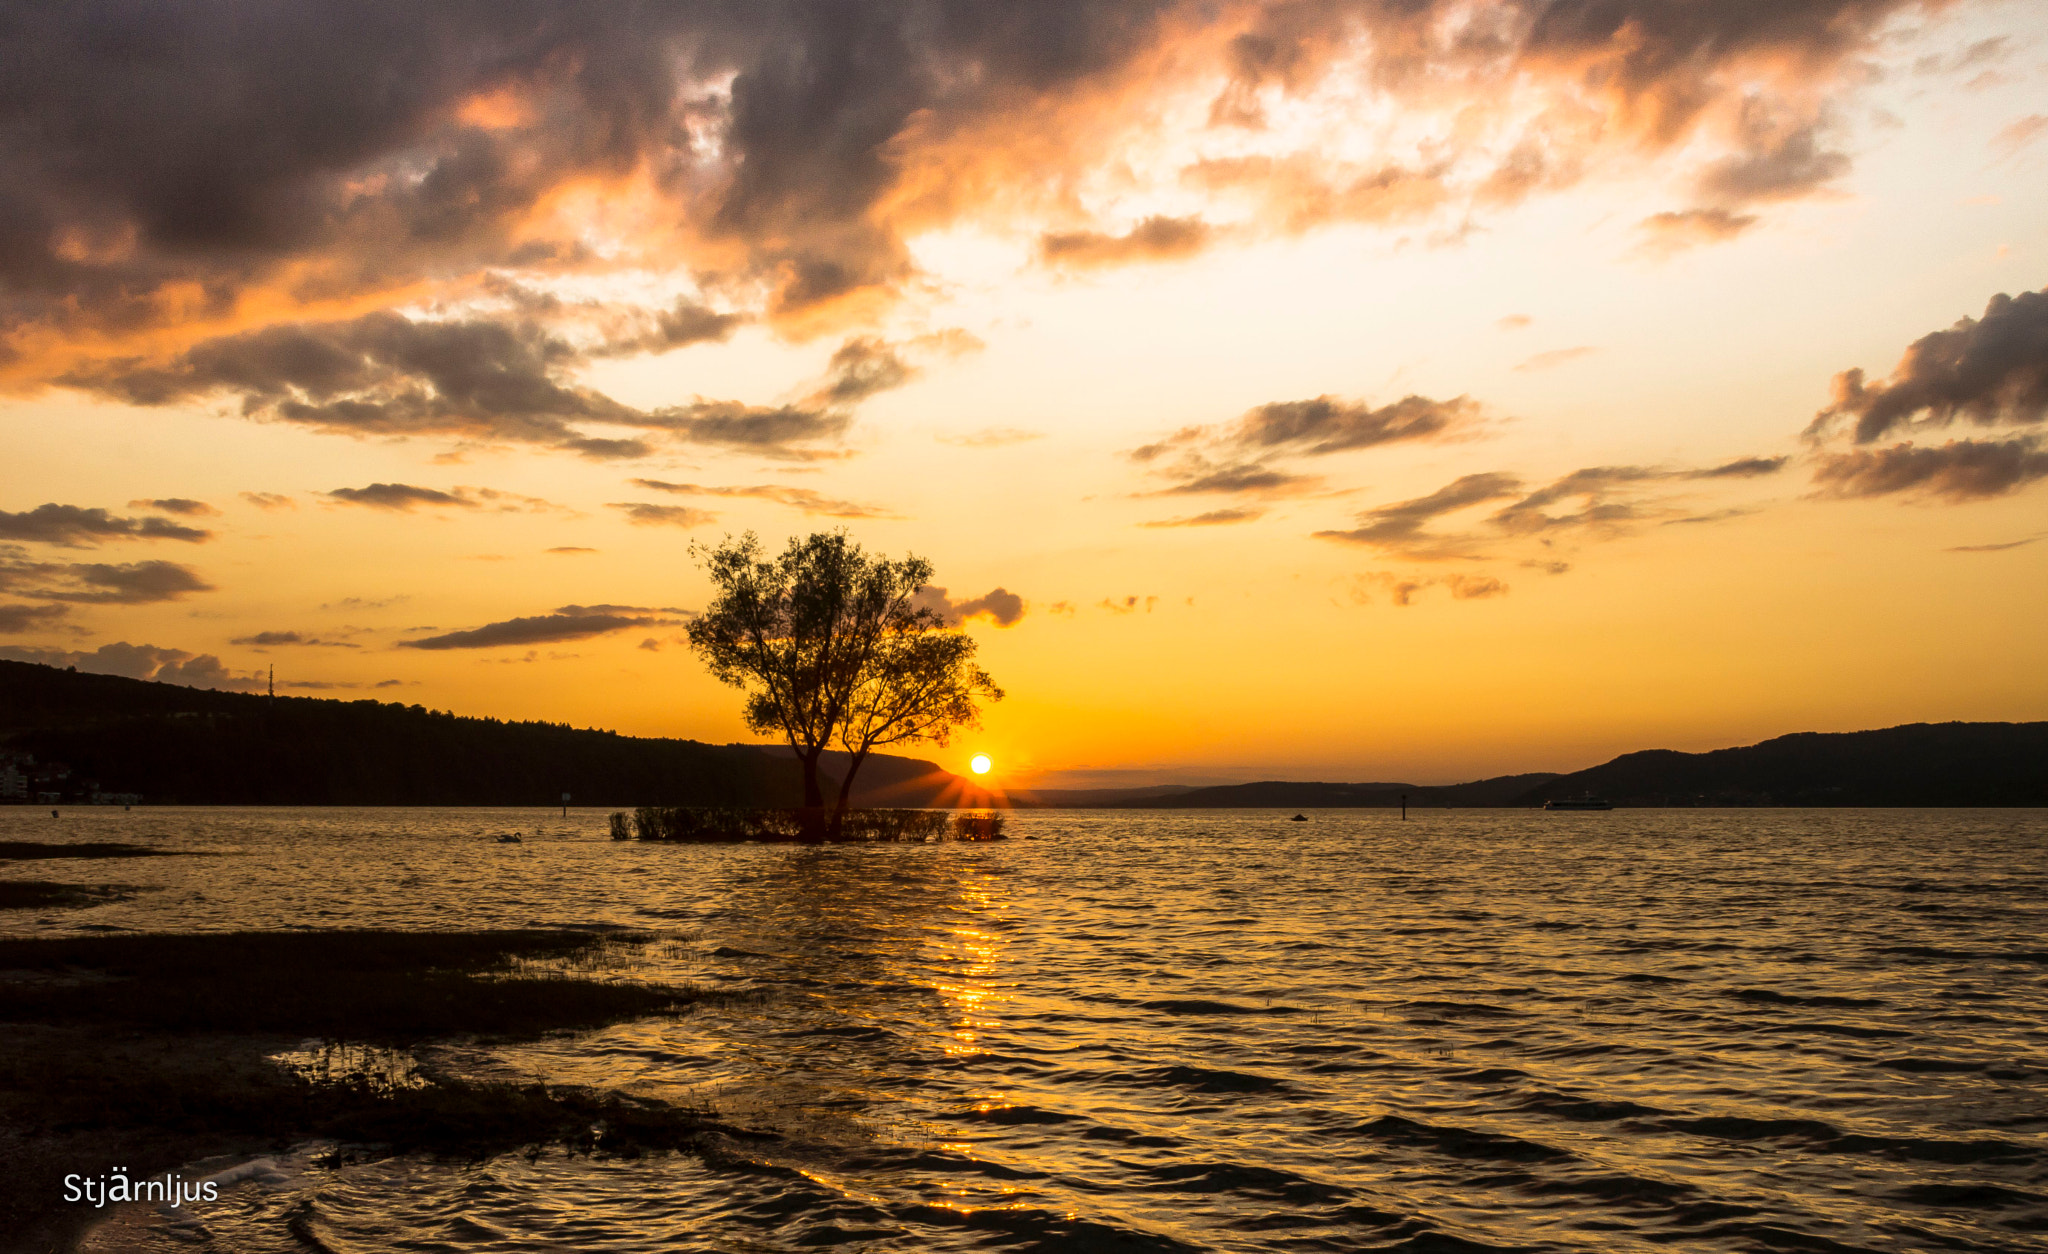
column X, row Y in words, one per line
column 1404, row 807
column 565, row 805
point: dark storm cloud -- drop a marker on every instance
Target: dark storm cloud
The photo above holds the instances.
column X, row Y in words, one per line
column 1000, row 606
column 1960, row 470
column 1664, row 61
column 805, row 499
column 161, row 162
column 1985, row 371
column 77, row 527
column 572, row 622
column 158, row 145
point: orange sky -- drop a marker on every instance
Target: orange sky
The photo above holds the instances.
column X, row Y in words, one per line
column 1327, row 390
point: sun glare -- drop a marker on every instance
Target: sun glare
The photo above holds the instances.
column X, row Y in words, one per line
column 980, row 764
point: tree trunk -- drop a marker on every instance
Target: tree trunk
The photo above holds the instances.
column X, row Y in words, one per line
column 812, row 817
column 853, row 762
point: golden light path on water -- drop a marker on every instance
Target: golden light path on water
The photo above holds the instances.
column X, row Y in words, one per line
column 1713, row 1030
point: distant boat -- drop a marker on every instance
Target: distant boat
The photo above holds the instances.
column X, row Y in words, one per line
column 1579, row 803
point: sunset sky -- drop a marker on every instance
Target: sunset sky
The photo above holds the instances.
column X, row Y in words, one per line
column 1397, row 389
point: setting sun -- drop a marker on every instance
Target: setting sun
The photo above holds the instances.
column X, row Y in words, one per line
column 980, row 764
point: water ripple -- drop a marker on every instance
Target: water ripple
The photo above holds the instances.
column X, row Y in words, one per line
column 1473, row 1031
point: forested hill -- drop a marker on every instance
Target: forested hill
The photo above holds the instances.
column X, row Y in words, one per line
column 201, row 747
column 1483, row 792
column 1920, row 764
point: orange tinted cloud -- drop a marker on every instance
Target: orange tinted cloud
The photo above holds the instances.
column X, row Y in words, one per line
column 783, row 156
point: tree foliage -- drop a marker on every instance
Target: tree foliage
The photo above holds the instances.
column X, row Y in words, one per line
column 831, row 650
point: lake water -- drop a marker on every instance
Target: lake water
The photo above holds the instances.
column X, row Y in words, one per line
column 1734, row 1030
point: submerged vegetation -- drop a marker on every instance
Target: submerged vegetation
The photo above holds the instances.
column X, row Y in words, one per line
column 154, row 1051
column 33, row 850
column 45, row 895
column 712, row 824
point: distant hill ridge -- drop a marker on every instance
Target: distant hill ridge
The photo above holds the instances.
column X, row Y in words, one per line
column 203, row 747
column 1920, row 764
column 197, row 746
column 1500, row 791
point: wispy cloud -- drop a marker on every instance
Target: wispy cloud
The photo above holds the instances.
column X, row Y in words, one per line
column 1402, row 589
column 405, row 497
column 1154, row 239
column 77, row 527
column 1235, row 457
column 96, row 583
column 181, row 505
column 645, row 514
column 804, row 499
column 992, row 437
column 999, row 606
column 570, row 622
column 271, row 639
column 1595, row 500
column 1210, row 518
column 1555, row 357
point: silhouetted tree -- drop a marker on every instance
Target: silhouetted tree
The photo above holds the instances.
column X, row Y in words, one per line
column 828, row 647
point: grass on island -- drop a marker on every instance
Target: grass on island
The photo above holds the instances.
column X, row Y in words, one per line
column 721, row 824
column 150, row 1051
